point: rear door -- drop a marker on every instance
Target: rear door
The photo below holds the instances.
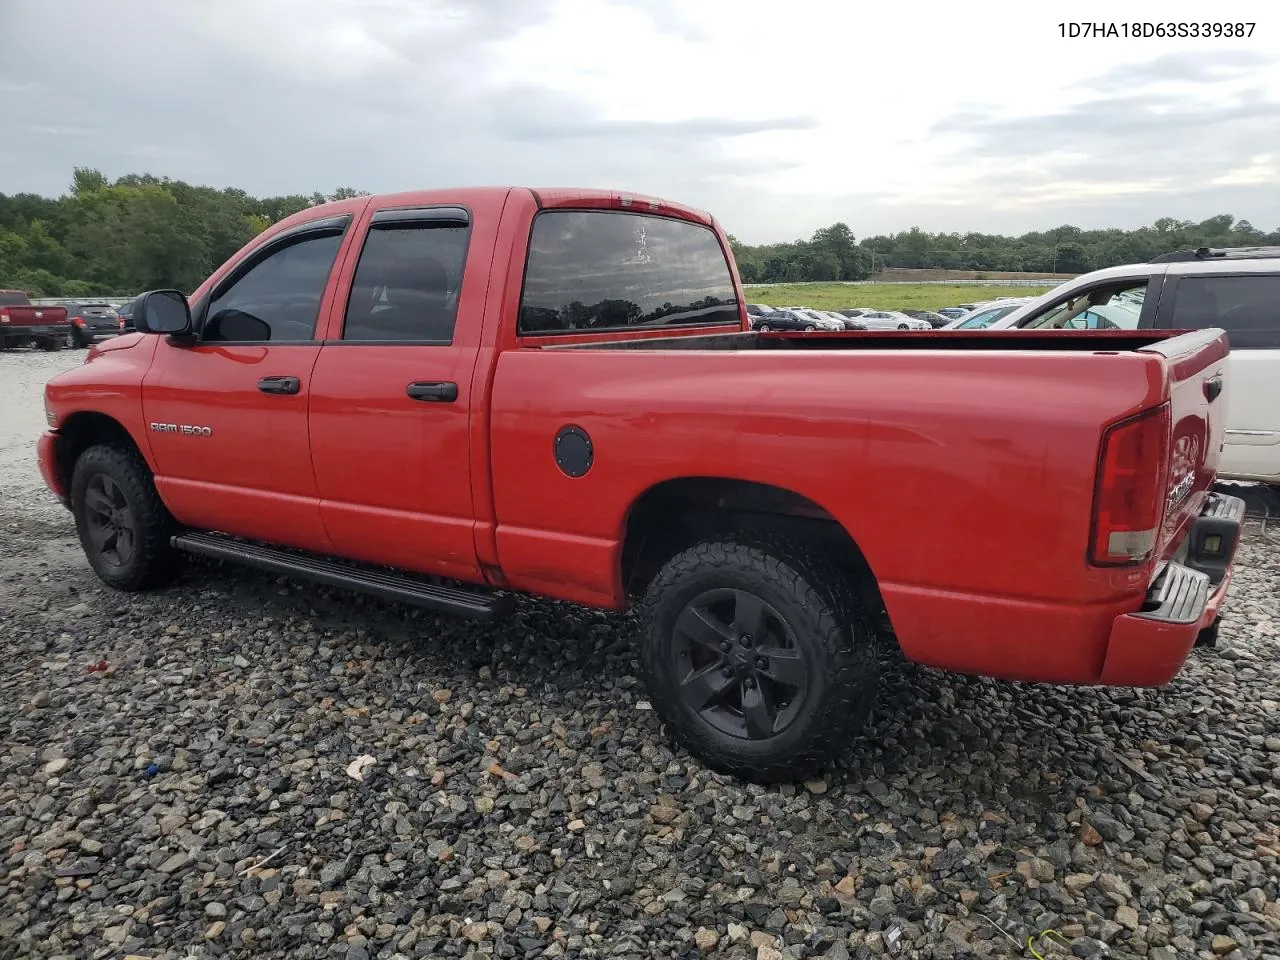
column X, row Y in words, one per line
column 1247, row 306
column 391, row 396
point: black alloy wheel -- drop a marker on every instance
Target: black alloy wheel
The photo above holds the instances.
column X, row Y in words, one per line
column 110, row 523
column 738, row 664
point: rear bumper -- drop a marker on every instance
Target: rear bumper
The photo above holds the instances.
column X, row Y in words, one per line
column 16, row 331
column 1149, row 647
column 47, row 458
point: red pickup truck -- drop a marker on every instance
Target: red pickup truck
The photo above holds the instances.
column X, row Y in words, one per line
column 452, row 397
column 21, row 322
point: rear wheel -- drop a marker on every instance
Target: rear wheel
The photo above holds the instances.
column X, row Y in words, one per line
column 759, row 657
column 764, row 328
column 123, row 526
column 810, row 328
column 51, row 344
column 904, row 326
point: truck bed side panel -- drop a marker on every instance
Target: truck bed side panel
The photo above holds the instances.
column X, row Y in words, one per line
column 966, row 479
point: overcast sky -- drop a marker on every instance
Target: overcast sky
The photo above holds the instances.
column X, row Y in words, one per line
column 779, row 117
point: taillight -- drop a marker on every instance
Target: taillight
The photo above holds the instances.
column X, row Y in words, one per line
column 122, row 323
column 4, row 315
column 1127, row 499
column 79, row 322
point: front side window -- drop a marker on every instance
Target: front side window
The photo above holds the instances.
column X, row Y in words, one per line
column 1115, row 306
column 1247, row 307
column 600, row 270
column 406, row 283
column 278, row 298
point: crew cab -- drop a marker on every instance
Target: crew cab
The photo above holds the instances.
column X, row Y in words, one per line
column 454, row 397
column 22, row 323
column 1236, row 289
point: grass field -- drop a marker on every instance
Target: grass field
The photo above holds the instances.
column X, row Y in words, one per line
column 913, row 296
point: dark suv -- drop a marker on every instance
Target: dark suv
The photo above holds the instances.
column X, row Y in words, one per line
column 92, row 320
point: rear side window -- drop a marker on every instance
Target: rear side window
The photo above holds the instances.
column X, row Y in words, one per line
column 599, row 270
column 406, row 283
column 9, row 298
column 1247, row 307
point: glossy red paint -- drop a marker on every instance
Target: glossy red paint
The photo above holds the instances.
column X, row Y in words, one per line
column 965, row 476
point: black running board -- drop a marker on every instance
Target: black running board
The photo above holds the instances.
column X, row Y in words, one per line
column 385, row 584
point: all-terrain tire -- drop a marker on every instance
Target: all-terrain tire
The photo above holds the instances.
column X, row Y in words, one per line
column 153, row 562
column 819, row 605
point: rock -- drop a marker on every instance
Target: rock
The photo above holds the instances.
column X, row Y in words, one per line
column 705, row 938
column 1127, row 917
column 1075, row 882
column 761, row 939
column 1089, row 947
column 215, row 911
column 1223, row 945
column 57, row 766
column 475, row 932
column 816, row 786
column 1202, row 812
column 483, row 805
column 768, row 953
column 215, row 930
column 1036, row 869
column 1090, row 837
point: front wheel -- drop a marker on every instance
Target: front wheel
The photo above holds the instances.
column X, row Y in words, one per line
column 123, row 526
column 903, row 326
column 810, row 328
column 759, row 657
column 763, row 328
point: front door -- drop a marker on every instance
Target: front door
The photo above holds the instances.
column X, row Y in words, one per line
column 227, row 415
column 391, row 399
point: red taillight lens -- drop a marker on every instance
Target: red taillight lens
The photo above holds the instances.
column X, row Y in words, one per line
column 1128, row 501
column 4, row 316
column 122, row 323
column 79, row 322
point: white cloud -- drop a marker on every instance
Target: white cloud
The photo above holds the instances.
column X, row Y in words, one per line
column 779, row 117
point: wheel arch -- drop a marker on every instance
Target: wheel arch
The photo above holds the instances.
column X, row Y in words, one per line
column 676, row 513
column 87, row 428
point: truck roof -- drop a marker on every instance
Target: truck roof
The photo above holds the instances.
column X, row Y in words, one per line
column 546, row 197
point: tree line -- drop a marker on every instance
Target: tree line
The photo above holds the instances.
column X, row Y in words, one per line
column 140, row 232
column 833, row 253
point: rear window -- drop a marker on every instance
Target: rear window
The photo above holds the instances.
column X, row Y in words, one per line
column 9, row 298
column 600, row 270
column 1247, row 307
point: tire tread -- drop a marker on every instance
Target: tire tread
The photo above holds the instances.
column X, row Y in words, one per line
column 843, row 630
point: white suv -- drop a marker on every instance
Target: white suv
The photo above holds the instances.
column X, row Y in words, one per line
column 1237, row 290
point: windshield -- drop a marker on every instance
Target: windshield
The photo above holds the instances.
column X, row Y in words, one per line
column 1106, row 308
column 985, row 318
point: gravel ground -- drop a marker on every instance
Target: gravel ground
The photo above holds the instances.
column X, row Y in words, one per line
column 191, row 798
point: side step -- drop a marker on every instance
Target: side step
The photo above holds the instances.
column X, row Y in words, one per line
column 388, row 585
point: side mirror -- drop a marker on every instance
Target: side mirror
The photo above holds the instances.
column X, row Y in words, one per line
column 162, row 311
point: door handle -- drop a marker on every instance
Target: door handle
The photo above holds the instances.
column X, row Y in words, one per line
column 442, row 391
column 1213, row 387
column 279, row 384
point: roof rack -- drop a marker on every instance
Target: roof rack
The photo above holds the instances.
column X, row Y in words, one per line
column 1218, row 253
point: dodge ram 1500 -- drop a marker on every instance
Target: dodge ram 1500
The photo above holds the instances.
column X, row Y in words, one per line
column 452, row 397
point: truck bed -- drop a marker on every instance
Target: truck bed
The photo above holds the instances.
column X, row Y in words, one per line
column 1068, row 340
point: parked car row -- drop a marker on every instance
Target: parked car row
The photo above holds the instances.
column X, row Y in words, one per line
column 765, row 318
column 68, row 323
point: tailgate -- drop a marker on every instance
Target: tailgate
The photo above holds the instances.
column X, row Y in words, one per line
column 35, row 316
column 1197, row 383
